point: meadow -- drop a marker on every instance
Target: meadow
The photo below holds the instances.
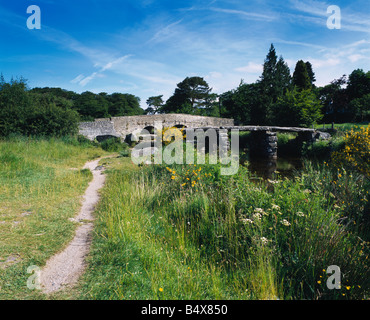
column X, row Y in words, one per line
column 186, row 232
column 183, row 231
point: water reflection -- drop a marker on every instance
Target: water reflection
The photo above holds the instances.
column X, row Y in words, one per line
column 270, row 168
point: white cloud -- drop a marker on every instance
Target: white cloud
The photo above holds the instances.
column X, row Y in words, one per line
column 324, row 63
column 252, row 67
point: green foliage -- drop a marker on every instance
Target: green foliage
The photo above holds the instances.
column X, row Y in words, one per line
column 355, row 155
column 358, row 84
column 297, row 108
column 301, row 79
column 242, row 104
column 361, row 108
column 91, row 106
column 160, row 235
column 112, row 145
column 192, row 96
column 154, row 104
column 27, row 113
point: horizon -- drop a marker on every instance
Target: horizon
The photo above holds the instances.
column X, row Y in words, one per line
column 146, row 47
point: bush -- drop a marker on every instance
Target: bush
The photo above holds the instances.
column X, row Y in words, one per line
column 112, row 145
column 26, row 113
column 356, row 152
column 322, row 149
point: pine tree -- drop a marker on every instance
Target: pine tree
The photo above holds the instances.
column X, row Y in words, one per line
column 274, row 82
column 301, row 79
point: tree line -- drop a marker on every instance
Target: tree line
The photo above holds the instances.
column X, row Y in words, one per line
column 276, row 98
column 55, row 111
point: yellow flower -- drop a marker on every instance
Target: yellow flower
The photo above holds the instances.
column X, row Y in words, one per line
column 161, row 289
column 348, row 287
column 173, row 177
column 319, row 282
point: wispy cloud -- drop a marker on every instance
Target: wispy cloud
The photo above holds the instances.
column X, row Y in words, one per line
column 351, row 21
column 252, row 67
column 246, row 14
column 83, row 81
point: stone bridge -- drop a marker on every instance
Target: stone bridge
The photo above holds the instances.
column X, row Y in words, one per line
column 264, row 138
column 122, row 127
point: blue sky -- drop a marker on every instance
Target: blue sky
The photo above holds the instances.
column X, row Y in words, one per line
column 145, row 47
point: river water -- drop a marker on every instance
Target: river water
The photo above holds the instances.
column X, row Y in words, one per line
column 270, row 168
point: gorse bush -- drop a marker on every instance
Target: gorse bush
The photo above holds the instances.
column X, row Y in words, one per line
column 356, row 153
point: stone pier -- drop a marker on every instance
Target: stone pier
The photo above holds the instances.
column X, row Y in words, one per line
column 264, row 144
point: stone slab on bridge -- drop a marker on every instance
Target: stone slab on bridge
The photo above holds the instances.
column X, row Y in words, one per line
column 264, row 138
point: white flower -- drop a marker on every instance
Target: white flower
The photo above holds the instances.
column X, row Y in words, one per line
column 274, row 206
column 247, row 221
column 264, row 240
column 285, row 222
column 257, row 216
column 260, row 211
column 300, row 214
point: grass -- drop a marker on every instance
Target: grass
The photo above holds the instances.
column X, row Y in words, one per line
column 225, row 237
column 341, row 127
column 184, row 231
column 41, row 184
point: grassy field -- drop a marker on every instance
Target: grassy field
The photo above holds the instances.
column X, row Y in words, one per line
column 41, row 184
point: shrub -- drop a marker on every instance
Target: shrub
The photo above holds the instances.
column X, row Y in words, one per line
column 356, row 152
column 112, row 145
column 26, row 113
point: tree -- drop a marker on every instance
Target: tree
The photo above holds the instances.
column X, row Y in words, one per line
column 358, row 84
column 274, row 82
column 301, row 79
column 310, row 72
column 190, row 96
column 31, row 113
column 154, row 104
column 242, row 104
column 90, row 106
column 361, row 108
column 334, row 99
column 297, row 108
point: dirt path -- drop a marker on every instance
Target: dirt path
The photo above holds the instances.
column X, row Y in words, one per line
column 65, row 268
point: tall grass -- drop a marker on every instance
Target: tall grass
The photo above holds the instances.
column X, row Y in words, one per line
column 222, row 238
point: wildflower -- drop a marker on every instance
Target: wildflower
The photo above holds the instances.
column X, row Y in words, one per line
column 247, row 220
column 285, row 222
column 348, row 287
column 173, row 177
column 300, row 214
column 274, row 206
column 161, row 289
column 319, row 282
column 257, row 216
column 264, row 240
